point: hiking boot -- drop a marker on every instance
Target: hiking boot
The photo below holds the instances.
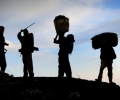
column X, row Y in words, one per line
column 25, row 76
column 31, row 75
column 112, row 83
column 2, row 71
column 34, row 79
column 98, row 80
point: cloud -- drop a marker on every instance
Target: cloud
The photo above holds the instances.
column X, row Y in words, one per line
column 111, row 26
column 86, row 19
column 24, row 11
column 29, row 10
column 13, row 47
column 104, row 21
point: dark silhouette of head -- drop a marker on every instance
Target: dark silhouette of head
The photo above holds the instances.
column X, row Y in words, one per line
column 25, row 32
column 61, row 34
column 31, row 34
column 2, row 29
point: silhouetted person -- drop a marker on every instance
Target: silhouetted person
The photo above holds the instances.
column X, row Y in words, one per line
column 64, row 64
column 107, row 55
column 2, row 52
column 27, row 44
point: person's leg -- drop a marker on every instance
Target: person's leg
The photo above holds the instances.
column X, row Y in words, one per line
column 60, row 66
column 3, row 62
column 67, row 67
column 30, row 65
column 24, row 59
column 103, row 65
column 110, row 74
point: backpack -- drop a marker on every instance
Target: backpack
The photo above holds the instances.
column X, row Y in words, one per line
column 30, row 44
column 31, row 40
column 70, row 44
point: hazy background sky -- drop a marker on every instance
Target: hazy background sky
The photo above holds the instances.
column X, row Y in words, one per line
column 87, row 18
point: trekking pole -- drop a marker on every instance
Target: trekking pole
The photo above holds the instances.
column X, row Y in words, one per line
column 29, row 25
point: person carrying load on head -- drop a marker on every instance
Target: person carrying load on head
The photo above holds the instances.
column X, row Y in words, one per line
column 105, row 41
column 107, row 56
column 65, row 45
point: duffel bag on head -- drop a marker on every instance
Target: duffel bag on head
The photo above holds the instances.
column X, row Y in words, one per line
column 111, row 37
column 61, row 24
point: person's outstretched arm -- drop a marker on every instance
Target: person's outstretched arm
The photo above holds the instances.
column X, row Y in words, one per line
column 6, row 44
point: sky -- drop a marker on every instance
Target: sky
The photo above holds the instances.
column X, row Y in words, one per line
column 87, row 18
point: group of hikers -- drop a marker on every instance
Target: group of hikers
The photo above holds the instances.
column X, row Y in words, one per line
column 66, row 44
column 27, row 48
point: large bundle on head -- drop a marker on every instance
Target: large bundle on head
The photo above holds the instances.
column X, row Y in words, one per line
column 112, row 38
column 61, row 24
